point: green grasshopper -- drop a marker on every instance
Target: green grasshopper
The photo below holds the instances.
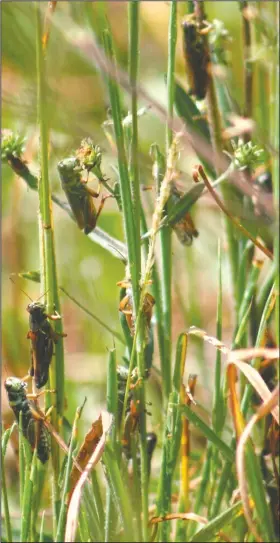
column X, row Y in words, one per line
column 33, row 427
column 79, row 195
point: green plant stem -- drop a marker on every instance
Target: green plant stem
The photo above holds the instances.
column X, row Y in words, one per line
column 133, row 18
column 244, row 266
column 275, row 165
column 248, row 389
column 41, row 536
column 64, row 506
column 27, row 499
column 133, row 12
column 155, row 290
column 133, row 264
column 208, row 432
column 265, row 289
column 47, row 251
column 119, row 491
column 126, row 197
column 171, row 448
column 112, row 407
column 248, row 294
column 165, row 235
column 9, row 536
column 209, row 532
column 216, row 140
column 218, row 405
column 247, row 66
column 172, row 39
column 262, row 77
column 255, row 362
column 201, row 492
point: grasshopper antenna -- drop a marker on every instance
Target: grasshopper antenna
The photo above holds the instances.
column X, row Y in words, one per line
column 21, row 289
column 44, row 294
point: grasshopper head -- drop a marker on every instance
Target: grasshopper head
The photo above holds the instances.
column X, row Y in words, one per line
column 36, row 308
column 13, row 384
column 68, row 167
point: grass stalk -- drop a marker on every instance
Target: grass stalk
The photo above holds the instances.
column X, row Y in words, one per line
column 133, row 245
column 275, row 112
column 216, row 140
column 41, row 535
column 6, row 510
column 255, row 362
column 209, row 532
column 201, row 492
column 119, row 492
column 112, row 407
column 165, row 235
column 180, row 361
column 21, row 461
column 247, row 64
column 47, row 252
column 27, row 499
column 64, row 505
column 133, row 20
column 126, row 196
column 155, row 290
column 218, row 404
column 171, row 447
column 225, row 450
column 133, row 12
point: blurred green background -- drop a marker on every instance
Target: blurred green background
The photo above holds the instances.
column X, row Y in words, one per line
column 77, row 106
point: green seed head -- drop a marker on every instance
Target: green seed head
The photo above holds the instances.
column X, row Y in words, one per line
column 247, row 155
column 12, row 144
column 89, row 155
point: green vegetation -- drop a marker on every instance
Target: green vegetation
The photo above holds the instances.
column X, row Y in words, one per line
column 153, row 352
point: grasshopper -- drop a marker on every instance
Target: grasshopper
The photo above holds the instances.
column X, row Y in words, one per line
column 79, row 195
column 126, row 307
column 42, row 338
column 33, row 426
column 184, row 228
column 197, row 58
column 132, row 415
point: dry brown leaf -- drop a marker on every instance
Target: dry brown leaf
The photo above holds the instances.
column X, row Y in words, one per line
column 73, row 510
